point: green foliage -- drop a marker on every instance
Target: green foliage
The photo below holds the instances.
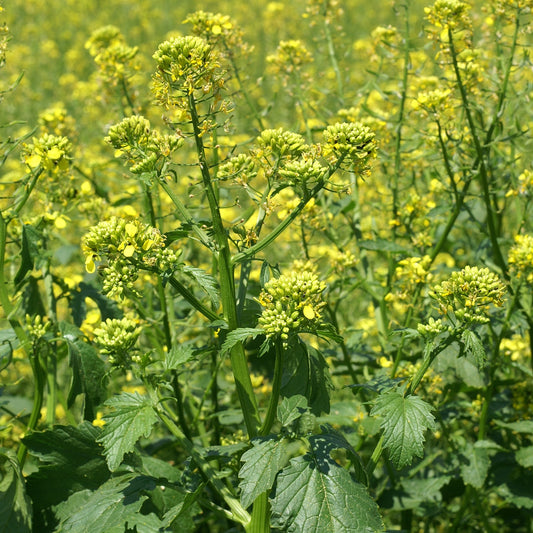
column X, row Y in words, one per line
column 266, row 268
column 405, row 421
column 132, row 417
column 15, row 505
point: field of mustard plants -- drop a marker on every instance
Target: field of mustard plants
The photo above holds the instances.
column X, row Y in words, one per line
column 266, row 266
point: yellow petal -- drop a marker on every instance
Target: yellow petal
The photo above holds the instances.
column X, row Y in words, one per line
column 55, row 153
column 89, row 265
column 33, row 161
column 309, row 312
column 148, row 244
column 60, row 223
column 129, row 250
column 216, row 29
column 131, row 229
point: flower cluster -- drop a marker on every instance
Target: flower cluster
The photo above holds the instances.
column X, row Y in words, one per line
column 450, row 14
column 450, row 18
column 303, row 171
column 219, row 31
column 37, row 326
column 290, row 57
column 521, row 258
column 142, row 146
column 281, row 143
column 291, row 303
column 128, row 246
column 240, row 168
column 115, row 59
column 117, row 338
column 351, row 143
column 468, row 294
column 410, row 273
column 56, row 121
column 186, row 66
column 51, row 152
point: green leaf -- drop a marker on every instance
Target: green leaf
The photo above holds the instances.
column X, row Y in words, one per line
column 474, row 346
column 405, row 420
column 110, row 508
column 206, row 281
column 88, row 371
column 474, row 472
column 15, row 505
column 313, row 493
column 521, row 426
column 261, row 465
column 179, row 354
column 290, row 409
column 524, row 456
column 424, row 493
column 31, row 249
column 238, row 335
column 132, row 418
column 70, row 460
column 78, row 307
column 306, row 373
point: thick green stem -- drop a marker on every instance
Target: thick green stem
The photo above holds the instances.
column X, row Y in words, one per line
column 189, row 296
column 239, row 364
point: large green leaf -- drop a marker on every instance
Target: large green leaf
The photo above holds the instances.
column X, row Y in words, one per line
column 132, row 417
column 306, row 373
column 314, row 493
column 15, row 505
column 475, row 468
column 404, row 422
column 88, row 371
column 262, row 463
column 109, row 509
column 70, row 460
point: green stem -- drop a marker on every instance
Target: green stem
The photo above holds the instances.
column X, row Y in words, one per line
column 333, row 57
column 239, row 364
column 191, row 298
column 184, row 214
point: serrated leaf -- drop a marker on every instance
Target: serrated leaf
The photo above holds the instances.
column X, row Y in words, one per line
column 290, row 409
column 238, row 335
column 70, row 459
column 109, row 508
column 207, row 282
column 133, row 417
column 313, row 493
column 474, row 346
column 475, row 470
column 405, row 420
column 261, row 465
column 15, row 505
column 417, row 493
column 179, row 354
